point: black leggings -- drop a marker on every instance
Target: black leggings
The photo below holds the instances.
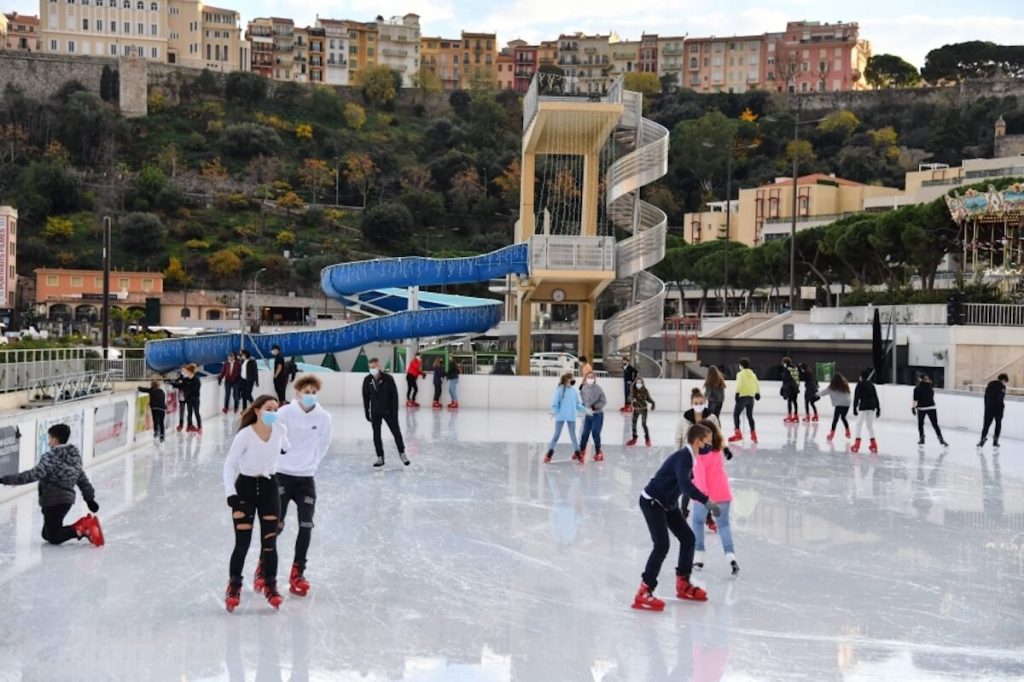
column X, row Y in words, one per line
column 158, row 421
column 714, row 408
column 745, row 403
column 54, row 530
column 192, row 405
column 641, row 415
column 302, row 491
column 990, row 416
column 933, row 417
column 659, row 522
column 792, row 405
column 412, row 387
column 392, row 421
column 840, row 413
column 810, row 401
column 256, row 496
column 437, row 392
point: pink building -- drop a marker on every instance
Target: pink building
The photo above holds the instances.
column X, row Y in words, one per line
column 814, row 57
column 526, row 63
column 21, row 32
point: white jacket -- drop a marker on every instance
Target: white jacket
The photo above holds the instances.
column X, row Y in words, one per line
column 310, row 436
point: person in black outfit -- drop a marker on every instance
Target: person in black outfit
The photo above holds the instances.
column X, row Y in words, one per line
column 866, row 408
column 380, row 402
column 924, row 406
column 157, row 407
column 810, row 392
column 790, row 389
column 250, row 377
column 280, row 374
column 629, row 375
column 995, row 397
column 191, row 388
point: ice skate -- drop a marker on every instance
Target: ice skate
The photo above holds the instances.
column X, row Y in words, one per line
column 920, row 441
column 631, row 442
column 873, row 445
column 981, row 443
column 380, row 461
column 737, row 435
column 731, row 558
column 807, row 418
column 409, row 403
column 995, row 444
column 848, row 434
column 233, row 595
column 830, row 436
column 548, row 456
column 646, row 601
column 856, row 446
column 259, row 584
column 274, row 597
column 224, row 410
column 437, row 405
column 577, row 457
column 753, row 437
column 405, row 460
column 687, row 591
column 698, row 559
column 583, row 455
column 814, row 418
column 598, row 456
column 626, row 408
column 647, row 442
column 297, row 583
column 88, row 527
column 453, row 405
column 179, row 427
column 943, row 443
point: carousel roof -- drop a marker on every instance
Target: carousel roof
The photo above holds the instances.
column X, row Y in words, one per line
column 991, row 205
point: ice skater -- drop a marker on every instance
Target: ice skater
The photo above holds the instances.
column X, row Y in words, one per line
column 309, row 433
column 709, row 475
column 699, row 413
column 251, row 486
column 594, row 401
column 380, row 403
column 791, row 390
column 659, row 503
column 839, row 392
column 566, row 406
column 438, row 374
column 629, row 375
column 640, row 397
column 748, row 390
column 230, row 377
column 865, row 402
column 191, row 388
column 412, row 376
column 714, row 390
column 810, row 392
column 249, row 377
column 453, row 384
column 995, row 398
column 924, row 406
column 280, row 374
column 157, row 407
column 58, row 472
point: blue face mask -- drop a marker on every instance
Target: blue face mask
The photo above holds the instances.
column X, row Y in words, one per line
column 309, row 400
column 704, row 449
column 269, row 418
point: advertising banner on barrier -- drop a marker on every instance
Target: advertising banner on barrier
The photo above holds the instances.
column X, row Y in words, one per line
column 110, row 430
column 10, row 449
column 143, row 418
column 76, row 420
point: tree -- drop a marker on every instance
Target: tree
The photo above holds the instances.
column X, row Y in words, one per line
column 14, row 143
column 361, row 173
column 378, row 84
column 842, row 123
column 206, row 84
column 510, row 181
column 972, row 60
column 890, row 71
column 245, row 88
column 246, row 140
column 314, row 175
column 304, row 132
column 702, row 146
column 387, row 224
column 803, row 150
column 149, row 182
column 58, row 229
column 224, row 265
column 169, row 159
column 646, row 83
column 459, row 101
column 427, row 83
column 466, row 191
column 355, row 116
column 142, row 233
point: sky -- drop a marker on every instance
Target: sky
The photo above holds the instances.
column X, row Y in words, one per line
column 908, row 29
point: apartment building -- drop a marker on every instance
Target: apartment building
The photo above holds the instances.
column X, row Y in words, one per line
column 648, row 53
column 932, row 180
column 398, row 46
column 19, row 32
column 362, row 47
column 814, row 57
column 260, row 36
column 479, row 51
column 8, row 257
column 670, row 58
column 547, row 53
column 625, row 57
column 335, row 51
column 586, row 59
column 78, row 294
column 443, row 57
column 526, row 63
column 223, row 48
column 130, row 27
column 732, row 64
column 506, row 66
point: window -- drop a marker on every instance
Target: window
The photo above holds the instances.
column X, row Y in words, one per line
column 142, row 29
column 122, row 282
column 185, row 313
column 76, row 281
column 152, row 29
column 127, row 28
column 154, row 6
column 97, row 282
column 369, row 52
column 154, row 53
column 113, row 50
column 52, row 280
column 85, row 24
column 212, row 314
column 71, row 46
column 127, row 4
column 352, row 49
column 53, row 46
column 140, row 5
column 99, row 25
column 147, row 285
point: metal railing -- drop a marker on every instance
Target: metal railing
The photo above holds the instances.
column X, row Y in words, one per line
column 531, row 102
column 993, row 314
column 558, row 252
column 22, row 369
column 639, row 321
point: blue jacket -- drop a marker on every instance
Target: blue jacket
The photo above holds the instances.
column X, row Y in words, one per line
column 675, row 478
column 566, row 403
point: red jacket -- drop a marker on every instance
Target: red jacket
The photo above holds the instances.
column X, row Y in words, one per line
column 231, row 371
column 416, row 369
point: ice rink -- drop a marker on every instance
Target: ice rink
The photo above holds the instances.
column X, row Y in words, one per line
column 478, row 562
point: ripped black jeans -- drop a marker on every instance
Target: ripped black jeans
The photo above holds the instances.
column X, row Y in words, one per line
column 302, row 491
column 257, row 496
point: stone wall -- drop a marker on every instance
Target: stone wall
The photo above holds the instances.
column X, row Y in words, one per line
column 958, row 95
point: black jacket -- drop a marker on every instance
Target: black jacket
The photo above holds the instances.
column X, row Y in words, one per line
column 865, row 397
column 252, row 370
column 924, row 396
column 629, row 374
column 380, row 396
column 58, row 472
column 157, row 398
column 675, row 478
column 995, row 395
column 190, row 387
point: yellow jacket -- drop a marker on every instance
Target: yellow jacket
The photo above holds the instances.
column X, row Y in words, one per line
column 746, row 384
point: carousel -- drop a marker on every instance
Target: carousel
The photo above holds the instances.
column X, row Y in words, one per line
column 991, row 225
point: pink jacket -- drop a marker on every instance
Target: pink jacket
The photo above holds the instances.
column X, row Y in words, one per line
column 709, row 475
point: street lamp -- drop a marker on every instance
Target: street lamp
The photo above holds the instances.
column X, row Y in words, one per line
column 255, row 296
column 105, row 341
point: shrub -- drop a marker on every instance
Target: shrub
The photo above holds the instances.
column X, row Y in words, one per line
column 58, row 229
column 387, row 224
column 197, row 245
column 290, row 200
column 285, row 239
column 246, row 140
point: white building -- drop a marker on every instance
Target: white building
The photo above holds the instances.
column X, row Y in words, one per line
column 336, row 50
column 398, row 44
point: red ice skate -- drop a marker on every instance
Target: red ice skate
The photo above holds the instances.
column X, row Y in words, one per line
column 223, row 410
column 814, row 418
column 848, row 434
column 830, row 436
column 647, row 442
column 548, row 456
column 736, row 436
column 631, row 442
column 437, row 405
column 410, row 403
column 646, row 601
column 259, row 584
column 274, row 597
column 753, row 436
column 807, row 418
column 297, row 583
column 626, row 408
column 578, row 456
column 598, row 456
column 687, row 591
column 856, row 446
column 873, row 446
column 233, row 596
column 453, row 405
column 179, row 428
column 89, row 527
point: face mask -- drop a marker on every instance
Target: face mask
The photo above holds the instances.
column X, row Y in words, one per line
column 639, row 384
column 374, row 371
column 704, row 449
column 572, row 383
column 591, row 381
column 698, row 409
column 269, row 418
column 309, row 400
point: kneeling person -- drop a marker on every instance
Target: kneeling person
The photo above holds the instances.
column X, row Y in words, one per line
column 309, row 432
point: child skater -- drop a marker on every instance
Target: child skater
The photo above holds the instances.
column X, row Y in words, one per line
column 714, row 389
column 659, row 503
column 748, row 390
column 640, row 397
column 810, row 392
column 710, row 476
column 251, row 484
column 839, row 391
column 791, row 390
column 594, row 400
column 157, row 407
column 309, row 432
column 865, row 401
column 566, row 405
column 59, row 470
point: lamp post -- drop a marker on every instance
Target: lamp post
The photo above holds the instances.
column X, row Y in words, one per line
column 256, row 298
column 105, row 340
column 733, row 149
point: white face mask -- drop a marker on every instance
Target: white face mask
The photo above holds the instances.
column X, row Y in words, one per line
column 698, row 409
column 639, row 384
column 591, row 381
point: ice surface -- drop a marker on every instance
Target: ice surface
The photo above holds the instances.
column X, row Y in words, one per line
column 479, row 563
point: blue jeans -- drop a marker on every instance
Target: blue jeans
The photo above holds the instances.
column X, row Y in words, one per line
column 232, row 391
column 592, row 425
column 558, row 432
column 700, row 515
column 453, row 389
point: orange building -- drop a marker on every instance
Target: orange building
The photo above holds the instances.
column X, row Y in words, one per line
column 78, row 294
column 506, row 70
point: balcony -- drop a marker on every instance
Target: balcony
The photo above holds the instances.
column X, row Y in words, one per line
column 576, row 253
column 672, row 52
column 393, row 52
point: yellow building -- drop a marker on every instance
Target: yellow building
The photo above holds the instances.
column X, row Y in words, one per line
column 223, row 47
column 506, row 64
column 362, row 47
column 731, row 64
column 133, row 27
column 479, row 52
column 548, row 52
column 766, row 213
column 443, row 57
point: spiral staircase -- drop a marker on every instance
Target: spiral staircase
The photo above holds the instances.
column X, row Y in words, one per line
column 640, row 294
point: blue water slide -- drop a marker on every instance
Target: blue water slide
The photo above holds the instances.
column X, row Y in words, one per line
column 346, row 282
